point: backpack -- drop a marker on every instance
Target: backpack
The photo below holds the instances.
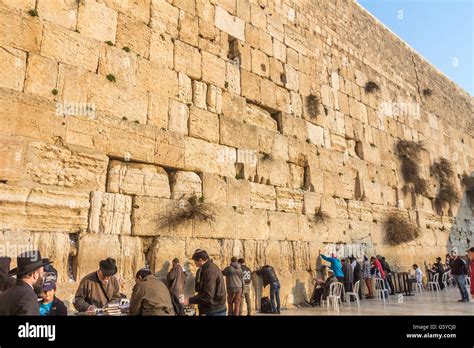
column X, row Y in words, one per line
column 177, row 306
column 265, row 305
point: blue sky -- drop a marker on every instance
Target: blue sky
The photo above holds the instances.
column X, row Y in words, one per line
column 442, row 31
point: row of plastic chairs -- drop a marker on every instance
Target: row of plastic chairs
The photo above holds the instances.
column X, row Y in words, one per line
column 336, row 291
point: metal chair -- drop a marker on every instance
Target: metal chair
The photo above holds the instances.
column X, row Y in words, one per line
column 380, row 289
column 433, row 285
column 354, row 293
column 335, row 292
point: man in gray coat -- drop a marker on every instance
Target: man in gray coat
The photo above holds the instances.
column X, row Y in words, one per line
column 235, row 286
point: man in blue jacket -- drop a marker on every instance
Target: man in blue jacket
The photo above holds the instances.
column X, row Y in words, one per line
column 335, row 266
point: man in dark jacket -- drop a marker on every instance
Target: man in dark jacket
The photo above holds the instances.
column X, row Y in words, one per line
column 235, row 286
column 6, row 281
column 98, row 288
column 211, row 294
column 322, row 288
column 247, row 275
column 388, row 274
column 269, row 277
column 50, row 305
column 358, row 276
column 150, row 296
column 22, row 299
column 175, row 279
column 459, row 271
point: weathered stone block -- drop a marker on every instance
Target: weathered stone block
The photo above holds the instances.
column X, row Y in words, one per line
column 214, row 188
column 289, row 200
column 185, row 184
column 41, row 76
column 12, row 68
column 252, row 224
column 204, row 125
column 273, row 171
column 232, row 77
column 138, row 179
column 223, row 225
column 262, row 196
column 11, row 159
column 238, row 134
column 119, row 63
column 169, row 149
column 110, row 213
column 20, row 30
column 187, row 59
column 233, row 26
column 135, row 35
column 213, row 69
column 97, row 21
column 178, row 117
column 238, row 193
column 63, row 13
column 281, row 223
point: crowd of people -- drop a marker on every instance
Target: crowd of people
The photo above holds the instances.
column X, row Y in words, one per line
column 30, row 288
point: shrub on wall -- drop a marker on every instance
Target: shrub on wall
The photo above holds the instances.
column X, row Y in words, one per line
column 193, row 209
column 399, row 230
column 447, row 193
column 409, row 154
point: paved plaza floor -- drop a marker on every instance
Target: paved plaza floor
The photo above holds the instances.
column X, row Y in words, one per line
column 425, row 303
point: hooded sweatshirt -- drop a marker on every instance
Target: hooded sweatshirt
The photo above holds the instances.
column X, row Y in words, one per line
column 6, row 281
column 234, row 279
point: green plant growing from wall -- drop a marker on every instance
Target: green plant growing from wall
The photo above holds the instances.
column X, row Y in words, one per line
column 126, row 49
column 399, row 230
column 371, row 87
column 320, row 216
column 447, row 193
column 192, row 209
column 409, row 154
column 33, row 13
column 111, row 78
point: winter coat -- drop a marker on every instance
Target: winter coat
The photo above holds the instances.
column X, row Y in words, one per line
column 150, row 296
column 234, row 279
column 268, row 274
column 211, row 294
column 19, row 300
column 348, row 273
column 459, row 267
column 6, row 281
column 175, row 280
column 58, row 308
column 90, row 292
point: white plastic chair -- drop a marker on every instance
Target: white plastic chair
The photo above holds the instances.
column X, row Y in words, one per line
column 434, row 283
column 380, row 289
column 354, row 293
column 468, row 279
column 444, row 280
column 335, row 292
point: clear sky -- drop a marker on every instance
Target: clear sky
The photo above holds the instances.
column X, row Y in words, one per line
column 442, row 31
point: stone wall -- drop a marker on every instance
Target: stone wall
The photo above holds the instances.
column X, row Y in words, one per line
column 115, row 111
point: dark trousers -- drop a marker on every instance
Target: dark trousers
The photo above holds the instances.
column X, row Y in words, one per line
column 233, row 302
column 317, row 294
column 275, row 294
column 390, row 283
column 246, row 296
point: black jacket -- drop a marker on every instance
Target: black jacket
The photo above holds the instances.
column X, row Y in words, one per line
column 459, row 267
column 58, row 308
column 6, row 281
column 210, row 288
column 268, row 274
column 19, row 300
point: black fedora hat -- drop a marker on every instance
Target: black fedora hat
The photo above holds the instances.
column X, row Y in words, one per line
column 108, row 267
column 28, row 261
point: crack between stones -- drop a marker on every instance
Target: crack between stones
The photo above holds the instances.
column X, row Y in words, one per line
column 417, row 78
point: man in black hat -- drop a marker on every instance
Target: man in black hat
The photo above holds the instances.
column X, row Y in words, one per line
column 98, row 288
column 22, row 299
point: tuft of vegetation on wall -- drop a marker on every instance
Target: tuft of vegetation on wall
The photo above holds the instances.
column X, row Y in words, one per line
column 409, row 154
column 447, row 193
column 399, row 230
column 371, row 87
column 193, row 209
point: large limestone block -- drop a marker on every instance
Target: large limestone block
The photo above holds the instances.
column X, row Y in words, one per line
column 178, row 117
column 72, row 168
column 164, row 17
column 132, row 257
column 54, row 246
column 92, row 248
column 158, row 111
column 63, row 13
column 150, row 214
column 294, row 127
column 187, row 60
column 134, row 34
column 251, row 86
column 138, row 179
column 19, row 30
column 185, row 184
column 238, row 134
column 97, row 21
column 115, row 61
column 12, row 68
column 69, row 47
column 24, row 5
column 149, row 73
column 138, row 9
column 259, row 117
column 283, row 226
column 214, row 188
column 214, row 99
column 213, row 69
column 188, row 27
column 19, row 111
column 119, row 100
column 115, row 137
column 238, row 193
column 316, row 134
column 289, row 200
column 232, row 25
column 233, row 77
column 164, row 251
column 262, row 196
column 169, row 149
column 202, row 156
column 11, row 158
column 162, row 49
column 110, row 213
column 41, row 76
column 252, row 224
column 272, row 171
column 223, row 226
column 204, row 125
column 43, row 210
